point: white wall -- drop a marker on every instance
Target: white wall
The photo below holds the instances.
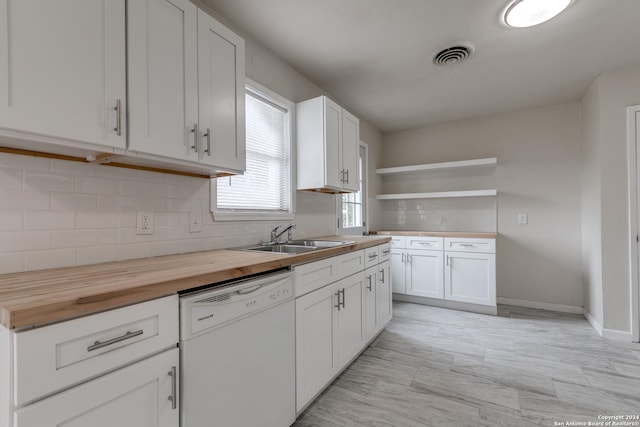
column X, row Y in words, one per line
column 605, row 188
column 56, row 213
column 538, row 173
column 591, row 204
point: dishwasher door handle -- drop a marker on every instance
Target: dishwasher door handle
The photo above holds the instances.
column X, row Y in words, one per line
column 249, row 290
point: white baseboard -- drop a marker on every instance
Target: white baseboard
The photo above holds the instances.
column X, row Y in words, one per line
column 592, row 321
column 611, row 334
column 541, row 305
column 617, row 335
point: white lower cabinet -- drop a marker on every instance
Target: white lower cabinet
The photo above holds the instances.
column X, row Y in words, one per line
column 316, row 355
column 424, row 273
column 115, row 368
column 470, row 277
column 460, row 269
column 141, row 395
column 336, row 316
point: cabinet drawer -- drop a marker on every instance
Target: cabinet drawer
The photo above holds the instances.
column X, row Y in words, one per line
column 54, row 357
column 315, row 275
column 398, row 241
column 420, row 242
column 470, row 245
column 350, row 263
column 371, row 256
column 384, row 252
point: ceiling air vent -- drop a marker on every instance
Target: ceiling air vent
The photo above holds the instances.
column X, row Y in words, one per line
column 454, row 54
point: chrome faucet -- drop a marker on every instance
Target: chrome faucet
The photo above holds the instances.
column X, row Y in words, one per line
column 275, row 235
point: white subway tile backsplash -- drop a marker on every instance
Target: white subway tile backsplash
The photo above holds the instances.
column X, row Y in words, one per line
column 133, row 251
column 95, row 255
column 18, row 200
column 19, row 241
column 40, row 260
column 12, row 263
column 48, row 181
column 10, row 178
column 49, row 220
column 55, row 213
column 86, row 184
column 73, row 238
column 10, row 221
column 73, row 202
column 24, row 162
column 73, row 168
column 86, row 220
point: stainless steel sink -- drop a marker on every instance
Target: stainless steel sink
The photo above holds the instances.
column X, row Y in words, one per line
column 284, row 249
column 295, row 246
column 321, row 243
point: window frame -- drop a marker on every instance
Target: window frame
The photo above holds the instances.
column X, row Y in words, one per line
column 340, row 230
column 229, row 215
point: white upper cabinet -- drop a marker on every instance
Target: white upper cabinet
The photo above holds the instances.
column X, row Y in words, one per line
column 221, row 95
column 186, row 85
column 163, row 78
column 62, row 70
column 327, row 138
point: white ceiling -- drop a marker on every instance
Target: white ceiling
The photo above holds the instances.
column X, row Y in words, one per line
column 375, row 55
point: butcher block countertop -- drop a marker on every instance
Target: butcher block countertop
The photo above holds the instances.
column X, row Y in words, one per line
column 46, row 296
column 470, row 235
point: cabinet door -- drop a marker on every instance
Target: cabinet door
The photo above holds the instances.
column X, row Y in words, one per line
column 350, row 144
column 370, row 302
column 398, row 266
column 350, row 318
column 333, row 137
column 62, row 69
column 221, row 95
column 471, row 278
column 163, row 85
column 135, row 396
column 425, row 273
column 383, row 294
column 316, row 361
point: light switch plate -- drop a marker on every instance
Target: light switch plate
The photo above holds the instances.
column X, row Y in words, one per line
column 195, row 221
column 523, row 218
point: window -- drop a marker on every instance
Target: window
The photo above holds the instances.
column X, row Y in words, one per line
column 352, row 207
column 264, row 191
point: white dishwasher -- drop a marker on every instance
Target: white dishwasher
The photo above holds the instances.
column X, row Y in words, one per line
column 237, row 354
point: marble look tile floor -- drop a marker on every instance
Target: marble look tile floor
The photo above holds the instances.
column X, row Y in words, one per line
column 524, row 367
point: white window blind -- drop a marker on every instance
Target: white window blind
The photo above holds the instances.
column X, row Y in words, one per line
column 266, row 183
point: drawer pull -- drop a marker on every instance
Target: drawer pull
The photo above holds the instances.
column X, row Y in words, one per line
column 424, row 243
column 373, row 255
column 97, row 345
column 386, row 252
column 174, row 388
column 467, row 245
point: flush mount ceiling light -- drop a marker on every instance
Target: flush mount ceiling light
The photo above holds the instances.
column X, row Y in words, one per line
column 527, row 13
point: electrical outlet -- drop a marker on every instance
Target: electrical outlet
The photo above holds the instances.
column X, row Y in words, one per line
column 523, row 218
column 195, row 221
column 144, row 222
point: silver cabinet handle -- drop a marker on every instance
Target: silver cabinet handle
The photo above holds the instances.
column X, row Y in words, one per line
column 373, row 255
column 338, row 304
column 195, row 137
column 118, row 109
column 208, row 135
column 341, row 302
column 98, row 344
column 369, row 285
column 382, row 278
column 408, row 258
column 424, row 243
column 343, row 180
column 447, row 259
column 386, row 252
column 174, row 388
column 467, row 245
